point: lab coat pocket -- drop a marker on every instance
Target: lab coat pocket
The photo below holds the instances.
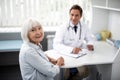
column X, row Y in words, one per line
column 68, row 39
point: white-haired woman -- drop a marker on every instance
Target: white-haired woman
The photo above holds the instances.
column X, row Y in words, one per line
column 34, row 64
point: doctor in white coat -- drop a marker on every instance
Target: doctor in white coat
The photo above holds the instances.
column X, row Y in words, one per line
column 68, row 39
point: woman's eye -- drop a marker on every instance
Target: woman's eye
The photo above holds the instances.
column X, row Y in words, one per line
column 39, row 28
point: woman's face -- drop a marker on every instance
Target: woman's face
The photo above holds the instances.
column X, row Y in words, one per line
column 36, row 34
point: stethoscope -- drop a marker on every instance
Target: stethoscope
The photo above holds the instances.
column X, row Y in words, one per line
column 72, row 29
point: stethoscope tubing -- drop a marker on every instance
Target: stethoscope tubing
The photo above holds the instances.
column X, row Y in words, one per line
column 80, row 29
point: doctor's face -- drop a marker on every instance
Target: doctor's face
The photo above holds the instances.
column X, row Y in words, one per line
column 75, row 16
column 36, row 34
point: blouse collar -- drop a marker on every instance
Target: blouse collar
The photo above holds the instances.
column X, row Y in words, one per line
column 35, row 46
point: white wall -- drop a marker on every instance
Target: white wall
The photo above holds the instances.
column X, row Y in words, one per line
column 106, row 17
column 114, row 24
column 100, row 20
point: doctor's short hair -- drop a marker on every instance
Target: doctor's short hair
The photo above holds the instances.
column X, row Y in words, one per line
column 76, row 7
column 29, row 23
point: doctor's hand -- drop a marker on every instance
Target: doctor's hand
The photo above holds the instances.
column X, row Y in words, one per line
column 60, row 61
column 90, row 47
column 76, row 50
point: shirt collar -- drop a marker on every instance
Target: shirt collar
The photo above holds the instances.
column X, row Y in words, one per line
column 35, row 46
column 74, row 25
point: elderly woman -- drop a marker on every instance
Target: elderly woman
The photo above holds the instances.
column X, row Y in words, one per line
column 34, row 64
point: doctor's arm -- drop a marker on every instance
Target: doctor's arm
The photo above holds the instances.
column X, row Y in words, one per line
column 58, row 43
column 90, row 40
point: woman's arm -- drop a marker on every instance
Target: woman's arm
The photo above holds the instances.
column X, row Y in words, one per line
column 59, row 61
column 52, row 60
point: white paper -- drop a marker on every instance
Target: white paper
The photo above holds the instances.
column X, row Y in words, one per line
column 81, row 53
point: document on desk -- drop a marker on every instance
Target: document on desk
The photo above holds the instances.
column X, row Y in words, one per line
column 81, row 53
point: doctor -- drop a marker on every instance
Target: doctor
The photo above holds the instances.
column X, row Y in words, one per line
column 73, row 37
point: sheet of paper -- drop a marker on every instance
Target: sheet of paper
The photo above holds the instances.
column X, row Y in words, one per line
column 81, row 53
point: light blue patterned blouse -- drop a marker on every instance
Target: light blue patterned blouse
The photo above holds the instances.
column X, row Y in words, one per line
column 34, row 64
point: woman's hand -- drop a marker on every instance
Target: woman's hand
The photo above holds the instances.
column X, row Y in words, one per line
column 54, row 61
column 60, row 61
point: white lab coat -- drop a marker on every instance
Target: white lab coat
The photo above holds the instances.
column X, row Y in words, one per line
column 66, row 38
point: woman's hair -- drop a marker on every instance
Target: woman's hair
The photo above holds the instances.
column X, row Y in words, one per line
column 76, row 7
column 26, row 28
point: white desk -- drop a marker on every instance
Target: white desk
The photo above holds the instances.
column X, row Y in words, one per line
column 104, row 56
